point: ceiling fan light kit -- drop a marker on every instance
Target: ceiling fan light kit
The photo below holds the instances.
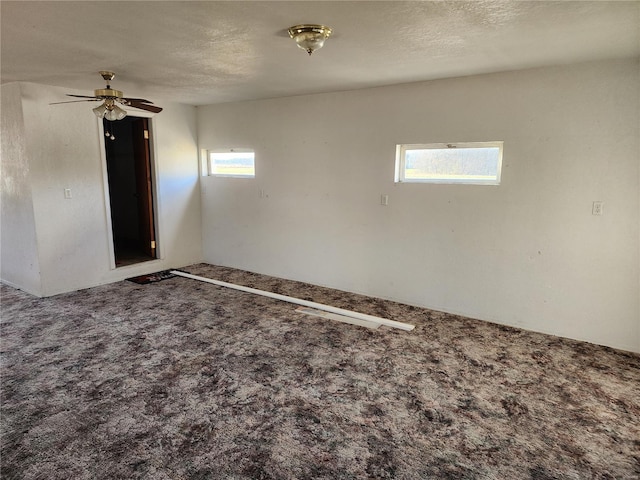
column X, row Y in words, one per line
column 310, row 37
column 111, row 111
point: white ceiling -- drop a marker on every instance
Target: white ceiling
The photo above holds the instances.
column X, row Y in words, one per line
column 211, row 52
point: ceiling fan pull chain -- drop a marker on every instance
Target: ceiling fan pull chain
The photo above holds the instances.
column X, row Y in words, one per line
column 106, row 132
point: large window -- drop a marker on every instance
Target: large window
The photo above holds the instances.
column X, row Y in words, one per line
column 471, row 163
column 231, row 163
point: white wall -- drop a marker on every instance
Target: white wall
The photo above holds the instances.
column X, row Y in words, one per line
column 528, row 253
column 62, row 150
column 18, row 243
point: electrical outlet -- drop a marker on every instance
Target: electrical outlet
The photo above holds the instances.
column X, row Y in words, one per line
column 597, row 208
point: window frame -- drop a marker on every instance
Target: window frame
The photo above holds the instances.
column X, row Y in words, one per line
column 400, row 169
column 210, row 163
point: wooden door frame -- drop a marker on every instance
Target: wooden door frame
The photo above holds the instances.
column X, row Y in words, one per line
column 144, row 185
column 107, row 198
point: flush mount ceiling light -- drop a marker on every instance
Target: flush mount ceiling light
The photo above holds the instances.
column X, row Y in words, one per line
column 310, row 37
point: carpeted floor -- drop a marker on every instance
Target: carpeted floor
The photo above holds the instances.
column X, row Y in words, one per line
column 185, row 380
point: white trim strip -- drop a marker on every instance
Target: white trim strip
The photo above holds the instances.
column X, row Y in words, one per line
column 338, row 318
column 304, row 303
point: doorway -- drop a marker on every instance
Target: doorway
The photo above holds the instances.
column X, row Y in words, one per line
column 131, row 190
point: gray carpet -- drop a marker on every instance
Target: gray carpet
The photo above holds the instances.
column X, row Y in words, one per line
column 185, row 380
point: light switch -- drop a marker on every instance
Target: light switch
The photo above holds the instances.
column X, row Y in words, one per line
column 597, row 208
column 67, row 193
column 384, row 200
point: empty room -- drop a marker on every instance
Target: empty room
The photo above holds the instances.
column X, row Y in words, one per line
column 320, row 240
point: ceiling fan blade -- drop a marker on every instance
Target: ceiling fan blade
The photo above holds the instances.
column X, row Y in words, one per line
column 82, row 96
column 75, row 101
column 139, row 100
column 144, row 106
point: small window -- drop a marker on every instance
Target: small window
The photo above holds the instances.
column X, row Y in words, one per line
column 472, row 163
column 232, row 163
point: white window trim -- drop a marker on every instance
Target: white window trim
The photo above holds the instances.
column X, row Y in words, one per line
column 401, row 157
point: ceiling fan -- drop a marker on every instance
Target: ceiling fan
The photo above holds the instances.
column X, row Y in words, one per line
column 109, row 108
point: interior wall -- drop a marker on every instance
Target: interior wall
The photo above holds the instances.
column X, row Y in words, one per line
column 63, row 151
column 19, row 262
column 528, row 253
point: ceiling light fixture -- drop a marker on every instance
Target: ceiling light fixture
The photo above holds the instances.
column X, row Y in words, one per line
column 109, row 110
column 309, row 37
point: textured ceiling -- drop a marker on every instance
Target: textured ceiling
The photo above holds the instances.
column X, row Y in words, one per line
column 211, row 52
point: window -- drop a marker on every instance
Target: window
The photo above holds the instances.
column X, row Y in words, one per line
column 232, row 163
column 472, row 163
